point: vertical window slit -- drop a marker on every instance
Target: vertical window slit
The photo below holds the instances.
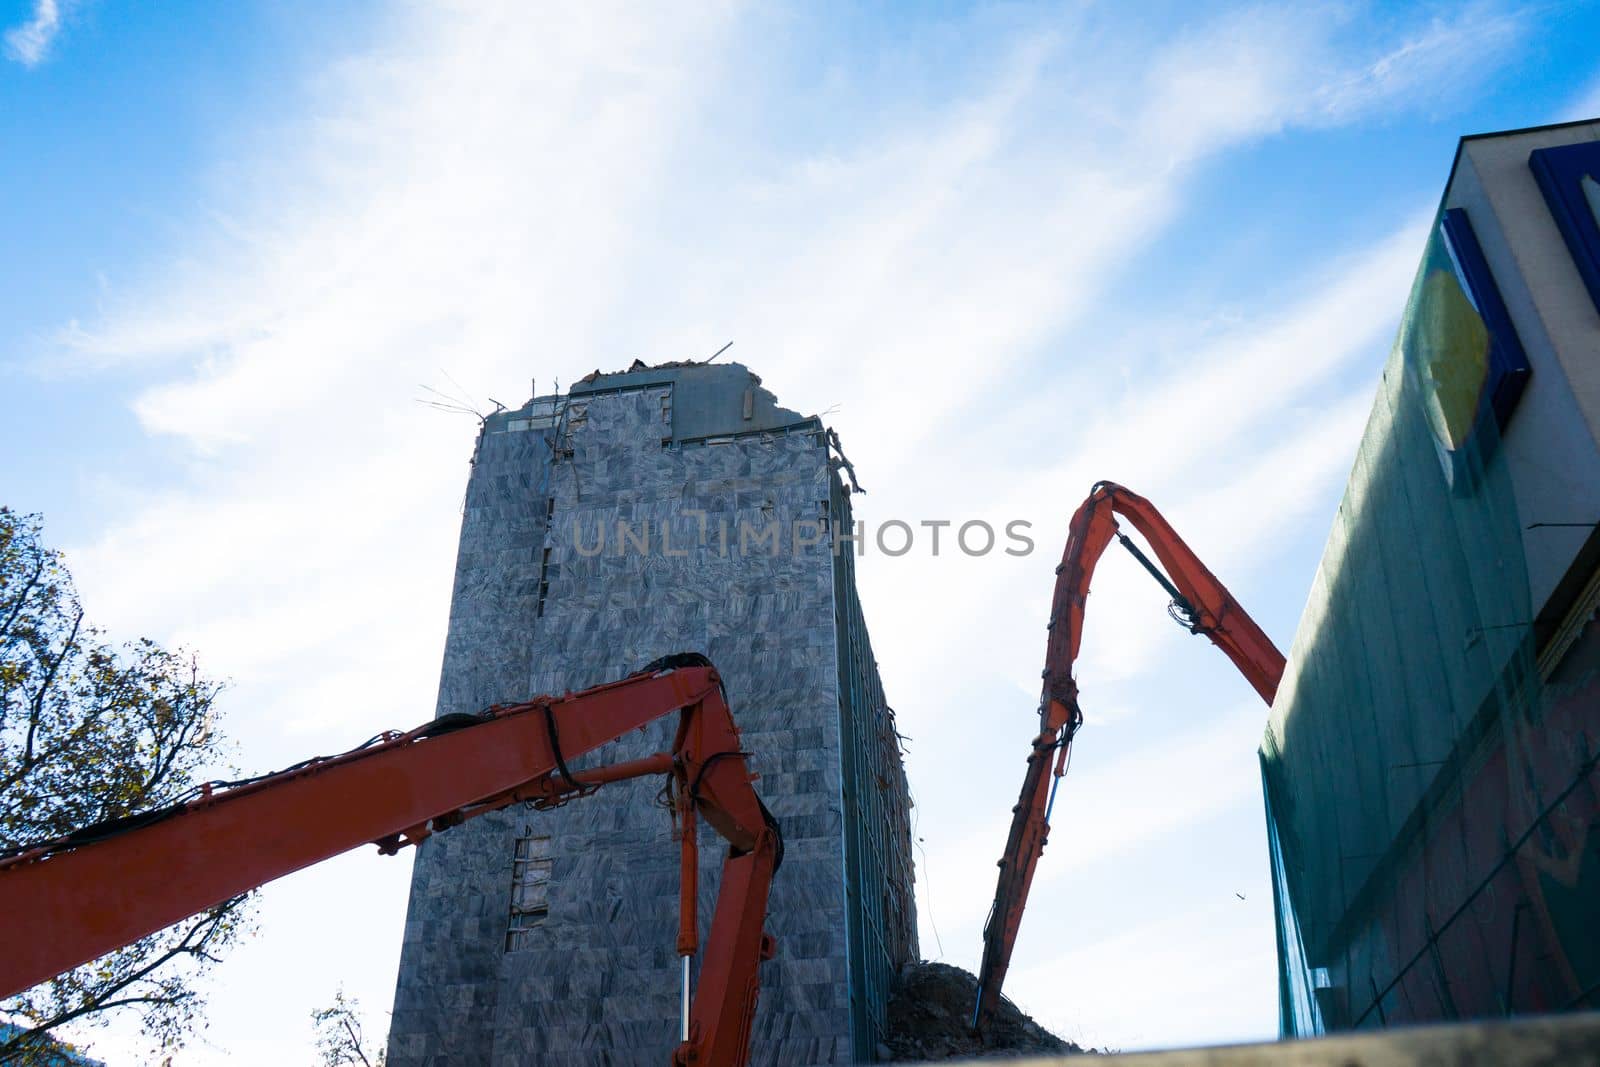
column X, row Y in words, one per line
column 530, row 889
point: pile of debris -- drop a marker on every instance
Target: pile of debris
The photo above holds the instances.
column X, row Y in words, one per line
column 929, row 1019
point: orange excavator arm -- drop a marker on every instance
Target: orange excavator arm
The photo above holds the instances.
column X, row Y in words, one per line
column 1199, row 601
column 81, row 896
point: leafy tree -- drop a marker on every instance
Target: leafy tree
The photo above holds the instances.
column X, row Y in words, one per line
column 339, row 1037
column 91, row 732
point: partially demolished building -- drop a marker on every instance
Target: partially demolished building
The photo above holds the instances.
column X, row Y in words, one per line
column 643, row 513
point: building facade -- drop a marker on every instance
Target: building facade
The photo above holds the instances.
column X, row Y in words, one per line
column 644, row 513
column 1429, row 763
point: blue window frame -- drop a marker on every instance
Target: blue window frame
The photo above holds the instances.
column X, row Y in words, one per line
column 1508, row 362
column 1569, row 178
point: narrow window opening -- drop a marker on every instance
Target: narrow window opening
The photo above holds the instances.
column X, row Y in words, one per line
column 544, row 583
column 530, row 889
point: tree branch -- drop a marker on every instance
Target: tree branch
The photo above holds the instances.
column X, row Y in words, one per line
column 355, row 1040
column 97, row 1001
column 41, row 558
column 40, row 1034
column 37, row 709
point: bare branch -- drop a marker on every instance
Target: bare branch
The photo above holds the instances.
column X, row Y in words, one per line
column 37, row 704
column 28, row 587
column 355, row 1040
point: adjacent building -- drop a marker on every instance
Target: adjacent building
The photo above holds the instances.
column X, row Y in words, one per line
column 1430, row 761
column 658, row 510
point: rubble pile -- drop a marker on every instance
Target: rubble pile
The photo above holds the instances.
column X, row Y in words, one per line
column 929, row 1016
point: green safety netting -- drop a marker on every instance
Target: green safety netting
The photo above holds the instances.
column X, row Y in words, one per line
column 1431, row 806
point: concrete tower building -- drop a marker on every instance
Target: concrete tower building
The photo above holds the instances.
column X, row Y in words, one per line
column 659, row 510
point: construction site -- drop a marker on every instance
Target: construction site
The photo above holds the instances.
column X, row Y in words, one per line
column 663, row 815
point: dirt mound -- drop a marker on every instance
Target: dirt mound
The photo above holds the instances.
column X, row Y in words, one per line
column 929, row 1013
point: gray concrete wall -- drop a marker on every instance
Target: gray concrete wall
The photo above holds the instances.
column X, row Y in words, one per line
column 540, row 606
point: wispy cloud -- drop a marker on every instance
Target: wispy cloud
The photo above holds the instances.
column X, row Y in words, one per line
column 1432, row 64
column 1258, row 418
column 1202, row 763
column 29, row 43
column 1586, row 105
column 1098, row 985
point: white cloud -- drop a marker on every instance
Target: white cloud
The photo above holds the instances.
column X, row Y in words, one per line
column 1131, row 988
column 1431, row 65
column 1108, row 809
column 30, row 42
column 506, row 196
column 1254, row 423
column 1586, row 105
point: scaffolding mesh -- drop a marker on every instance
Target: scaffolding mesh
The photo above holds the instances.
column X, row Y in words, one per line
column 880, row 908
column 1431, row 804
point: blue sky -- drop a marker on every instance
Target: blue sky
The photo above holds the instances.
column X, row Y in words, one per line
column 1011, row 249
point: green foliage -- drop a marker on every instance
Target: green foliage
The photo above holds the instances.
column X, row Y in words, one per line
column 339, row 1037
column 90, row 732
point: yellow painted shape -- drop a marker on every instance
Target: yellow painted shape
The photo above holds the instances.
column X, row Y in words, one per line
column 1453, row 354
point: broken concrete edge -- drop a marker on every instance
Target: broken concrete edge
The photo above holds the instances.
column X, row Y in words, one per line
column 1530, row 1041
